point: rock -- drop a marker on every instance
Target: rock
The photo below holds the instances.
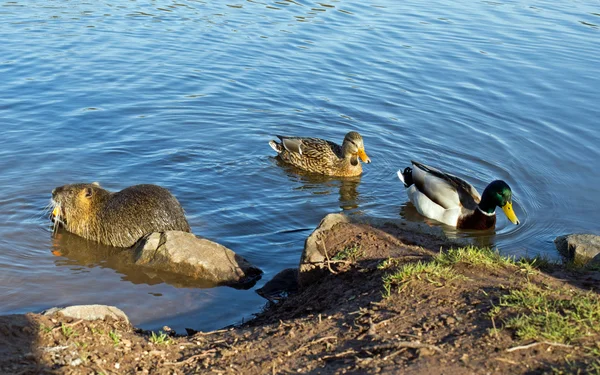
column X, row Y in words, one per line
column 312, row 261
column 185, row 254
column 579, row 246
column 89, row 312
column 281, row 285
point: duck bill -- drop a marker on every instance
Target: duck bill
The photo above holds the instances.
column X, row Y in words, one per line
column 363, row 156
column 510, row 213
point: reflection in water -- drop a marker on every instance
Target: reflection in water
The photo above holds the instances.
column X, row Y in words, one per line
column 78, row 253
column 348, row 186
column 484, row 238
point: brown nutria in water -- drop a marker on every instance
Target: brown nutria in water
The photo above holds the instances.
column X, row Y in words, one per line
column 118, row 219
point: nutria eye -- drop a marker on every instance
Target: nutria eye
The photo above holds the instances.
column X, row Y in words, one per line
column 88, row 192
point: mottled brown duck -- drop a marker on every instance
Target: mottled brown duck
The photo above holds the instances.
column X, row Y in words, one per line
column 324, row 157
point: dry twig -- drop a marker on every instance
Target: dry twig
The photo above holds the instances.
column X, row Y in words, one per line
column 377, row 348
column 211, row 332
column 538, row 343
column 67, row 325
column 314, row 342
column 327, row 260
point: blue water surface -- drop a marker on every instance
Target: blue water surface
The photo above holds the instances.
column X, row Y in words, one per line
column 187, row 94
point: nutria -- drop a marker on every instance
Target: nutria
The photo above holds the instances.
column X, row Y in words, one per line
column 118, row 219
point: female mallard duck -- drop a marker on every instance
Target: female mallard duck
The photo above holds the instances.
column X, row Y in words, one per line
column 453, row 201
column 324, row 157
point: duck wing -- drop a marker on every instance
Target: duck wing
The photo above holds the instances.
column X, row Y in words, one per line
column 443, row 188
column 314, row 148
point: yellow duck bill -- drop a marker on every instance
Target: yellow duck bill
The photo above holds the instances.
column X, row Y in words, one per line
column 510, row 213
column 363, row 156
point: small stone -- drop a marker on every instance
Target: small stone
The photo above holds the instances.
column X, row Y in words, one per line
column 117, row 365
column 425, row 352
column 76, row 362
column 450, row 321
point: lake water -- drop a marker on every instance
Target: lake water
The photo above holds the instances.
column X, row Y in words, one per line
column 187, row 94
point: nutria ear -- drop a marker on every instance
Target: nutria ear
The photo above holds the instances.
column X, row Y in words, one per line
column 96, row 183
column 88, row 192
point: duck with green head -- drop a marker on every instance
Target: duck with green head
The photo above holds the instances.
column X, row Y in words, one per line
column 453, row 201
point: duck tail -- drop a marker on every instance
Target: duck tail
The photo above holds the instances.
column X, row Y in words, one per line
column 406, row 176
column 276, row 146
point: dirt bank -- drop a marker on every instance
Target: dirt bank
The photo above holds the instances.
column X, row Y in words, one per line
column 388, row 304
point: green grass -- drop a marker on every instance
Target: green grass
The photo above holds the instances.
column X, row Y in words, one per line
column 45, row 328
column 440, row 268
column 351, row 253
column 538, row 262
column 483, row 256
column 388, row 263
column 67, row 331
column 114, row 336
column 580, row 264
column 160, row 338
column 554, row 315
column 431, row 272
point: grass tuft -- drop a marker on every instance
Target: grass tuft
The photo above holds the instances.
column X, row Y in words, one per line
column 539, row 262
column 114, row 336
column 431, row 272
column 351, row 253
column 67, row 331
column 558, row 316
column 483, row 256
column 440, row 268
column 160, row 338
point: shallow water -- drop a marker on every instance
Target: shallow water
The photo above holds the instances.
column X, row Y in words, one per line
column 187, row 94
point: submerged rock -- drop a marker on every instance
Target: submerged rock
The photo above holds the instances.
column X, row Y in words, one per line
column 185, row 254
column 89, row 312
column 582, row 246
column 281, row 285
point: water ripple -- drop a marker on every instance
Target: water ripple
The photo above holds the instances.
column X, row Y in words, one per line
column 187, row 95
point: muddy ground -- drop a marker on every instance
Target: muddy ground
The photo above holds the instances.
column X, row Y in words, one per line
column 344, row 323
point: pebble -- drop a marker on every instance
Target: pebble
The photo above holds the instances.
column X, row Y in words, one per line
column 76, row 362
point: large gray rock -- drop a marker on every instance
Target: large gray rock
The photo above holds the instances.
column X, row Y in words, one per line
column 89, row 312
column 312, row 262
column 579, row 246
column 185, row 254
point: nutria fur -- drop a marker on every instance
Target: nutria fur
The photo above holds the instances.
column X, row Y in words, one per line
column 118, row 219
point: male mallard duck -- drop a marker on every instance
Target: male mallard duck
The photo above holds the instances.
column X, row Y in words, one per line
column 453, row 201
column 324, row 157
